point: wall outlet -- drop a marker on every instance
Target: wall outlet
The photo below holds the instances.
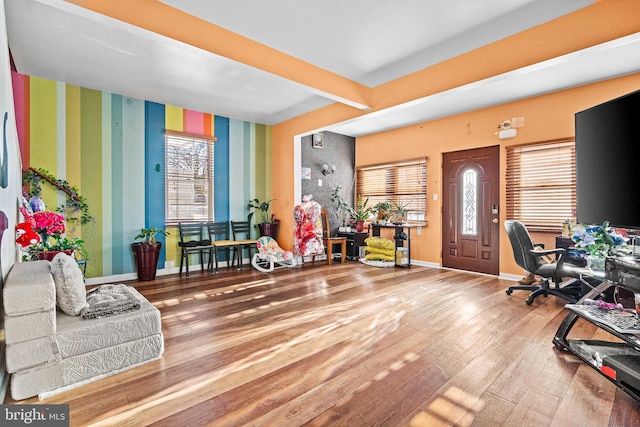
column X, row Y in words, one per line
column 419, row 231
column 319, row 183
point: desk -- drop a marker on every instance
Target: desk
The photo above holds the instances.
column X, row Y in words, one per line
column 618, row 361
column 398, row 231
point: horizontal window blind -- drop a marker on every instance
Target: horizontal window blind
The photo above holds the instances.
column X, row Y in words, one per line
column 189, row 177
column 404, row 183
column 541, row 184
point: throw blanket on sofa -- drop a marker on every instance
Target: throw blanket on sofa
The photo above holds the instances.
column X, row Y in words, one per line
column 109, row 300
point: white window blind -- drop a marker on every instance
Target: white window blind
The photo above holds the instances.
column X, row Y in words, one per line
column 541, row 184
column 189, row 177
column 404, row 183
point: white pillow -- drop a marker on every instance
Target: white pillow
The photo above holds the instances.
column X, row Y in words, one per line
column 71, row 294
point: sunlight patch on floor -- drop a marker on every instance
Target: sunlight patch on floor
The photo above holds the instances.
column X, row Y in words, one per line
column 331, row 320
column 454, row 407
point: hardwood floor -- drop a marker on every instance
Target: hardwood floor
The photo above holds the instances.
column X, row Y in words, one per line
column 352, row 345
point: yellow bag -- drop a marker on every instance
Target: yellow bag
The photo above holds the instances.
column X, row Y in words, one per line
column 377, row 257
column 379, row 242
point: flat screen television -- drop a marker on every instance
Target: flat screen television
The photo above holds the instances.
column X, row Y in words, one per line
column 608, row 162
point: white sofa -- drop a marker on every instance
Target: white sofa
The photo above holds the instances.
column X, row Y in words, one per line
column 48, row 351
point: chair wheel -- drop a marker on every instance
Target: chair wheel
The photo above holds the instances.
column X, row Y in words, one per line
column 529, row 301
column 509, row 291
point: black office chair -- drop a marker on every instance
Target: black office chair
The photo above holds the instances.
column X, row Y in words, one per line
column 193, row 241
column 532, row 261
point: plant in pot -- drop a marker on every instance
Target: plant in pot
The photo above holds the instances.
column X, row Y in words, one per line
column 267, row 224
column 399, row 212
column 361, row 213
column 342, row 210
column 42, row 236
column 147, row 253
column 383, row 211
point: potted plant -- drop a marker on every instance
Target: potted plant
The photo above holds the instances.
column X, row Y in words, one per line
column 42, row 236
column 399, row 212
column 267, row 224
column 147, row 253
column 361, row 213
column 383, row 211
column 342, row 209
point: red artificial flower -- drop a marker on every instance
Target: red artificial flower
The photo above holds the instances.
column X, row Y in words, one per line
column 49, row 223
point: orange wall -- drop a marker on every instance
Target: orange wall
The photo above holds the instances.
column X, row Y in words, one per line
column 547, row 117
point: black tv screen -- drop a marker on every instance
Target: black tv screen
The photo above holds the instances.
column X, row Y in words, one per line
column 607, row 162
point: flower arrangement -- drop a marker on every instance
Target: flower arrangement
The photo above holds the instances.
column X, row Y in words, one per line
column 46, row 234
column 600, row 240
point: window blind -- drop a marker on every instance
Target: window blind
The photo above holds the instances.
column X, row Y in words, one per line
column 541, row 184
column 189, row 177
column 404, row 183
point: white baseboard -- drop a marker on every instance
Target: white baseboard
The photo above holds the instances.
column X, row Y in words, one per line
column 116, row 278
column 247, row 262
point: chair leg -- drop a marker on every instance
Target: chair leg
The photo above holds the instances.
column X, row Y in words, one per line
column 534, row 294
column 343, row 252
column 521, row 288
column 212, row 255
column 330, row 253
column 181, row 259
column 187, row 264
column 239, row 251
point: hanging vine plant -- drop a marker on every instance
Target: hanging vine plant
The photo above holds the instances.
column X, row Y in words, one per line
column 76, row 205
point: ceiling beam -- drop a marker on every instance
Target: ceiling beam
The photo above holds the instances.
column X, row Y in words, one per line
column 162, row 19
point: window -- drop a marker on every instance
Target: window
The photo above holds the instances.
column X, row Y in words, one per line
column 541, row 184
column 469, row 198
column 404, row 183
column 189, row 179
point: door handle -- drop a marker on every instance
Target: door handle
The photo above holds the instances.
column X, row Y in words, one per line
column 494, row 220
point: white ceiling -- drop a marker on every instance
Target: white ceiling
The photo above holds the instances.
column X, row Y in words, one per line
column 367, row 41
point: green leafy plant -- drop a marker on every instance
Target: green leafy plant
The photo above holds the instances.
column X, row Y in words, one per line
column 340, row 206
column 75, row 203
column 361, row 212
column 399, row 211
column 383, row 210
column 262, row 208
column 148, row 235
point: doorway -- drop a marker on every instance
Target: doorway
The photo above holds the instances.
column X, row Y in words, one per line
column 470, row 210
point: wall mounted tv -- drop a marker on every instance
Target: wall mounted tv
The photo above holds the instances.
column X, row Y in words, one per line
column 608, row 162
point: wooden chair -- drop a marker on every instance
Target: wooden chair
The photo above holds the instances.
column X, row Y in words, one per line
column 193, row 241
column 329, row 241
column 241, row 231
column 219, row 235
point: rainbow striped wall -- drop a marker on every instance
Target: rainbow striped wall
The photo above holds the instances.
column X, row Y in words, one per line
column 112, row 148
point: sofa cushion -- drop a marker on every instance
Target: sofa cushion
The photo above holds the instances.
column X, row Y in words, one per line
column 35, row 352
column 29, row 326
column 71, row 294
column 76, row 336
column 32, row 279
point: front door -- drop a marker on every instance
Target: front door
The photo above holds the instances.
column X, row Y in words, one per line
column 470, row 215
